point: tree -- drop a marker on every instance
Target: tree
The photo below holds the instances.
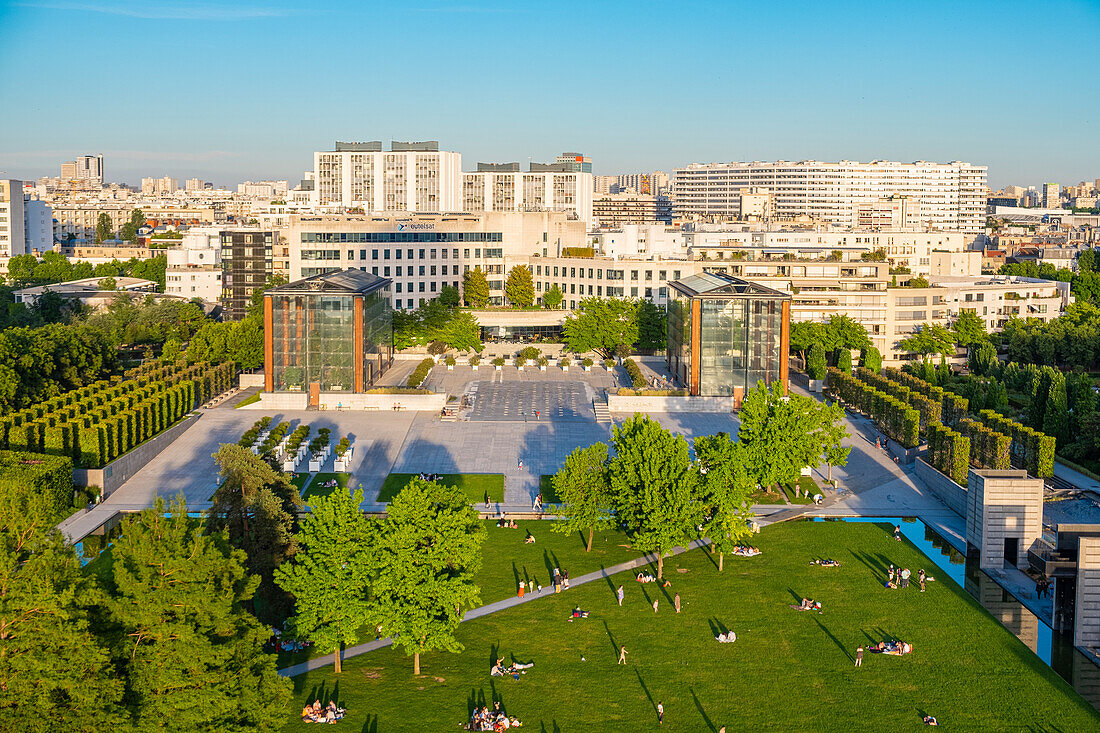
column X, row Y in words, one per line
column 462, row 332
column 981, row 357
column 552, row 298
column 171, row 352
column 872, row 359
column 104, row 228
column 107, row 283
column 448, row 296
column 727, row 486
column 257, row 507
column 520, row 286
column 191, row 656
column 930, row 339
column 844, row 359
column 1086, row 261
column 584, row 491
column 805, row 334
column 656, row 487
column 601, row 325
column 815, row 362
column 475, row 288
column 784, row 434
column 1056, row 414
column 130, row 228
column 55, row 673
column 329, row 576
column 969, row 329
column 652, row 326
column 918, row 282
column 428, row 553
column 842, row 330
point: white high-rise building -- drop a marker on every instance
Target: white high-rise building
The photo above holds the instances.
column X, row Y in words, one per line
column 194, row 268
column 416, row 177
column 544, row 187
column 1052, row 196
column 195, row 184
column 12, row 218
column 84, row 168
column 945, row 196
column 37, row 225
column 157, row 186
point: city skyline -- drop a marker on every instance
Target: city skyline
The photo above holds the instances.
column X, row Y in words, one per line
column 793, row 83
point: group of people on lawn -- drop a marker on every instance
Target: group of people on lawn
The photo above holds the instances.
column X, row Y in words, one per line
column 315, row 713
column 493, row 720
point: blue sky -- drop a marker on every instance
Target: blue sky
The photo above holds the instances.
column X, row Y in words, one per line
column 239, row 89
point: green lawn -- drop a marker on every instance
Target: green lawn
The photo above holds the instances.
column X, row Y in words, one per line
column 476, row 485
column 805, row 483
column 250, row 400
column 788, row 671
column 546, row 486
column 317, row 488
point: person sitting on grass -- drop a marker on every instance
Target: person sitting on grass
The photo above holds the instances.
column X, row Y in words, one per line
column 645, row 578
column 578, row 613
column 727, row 638
column 929, row 720
column 498, row 669
column 826, row 563
column 530, row 539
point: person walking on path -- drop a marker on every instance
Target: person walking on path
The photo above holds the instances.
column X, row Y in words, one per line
column 859, row 656
column 676, row 602
column 565, row 579
column 536, row 415
column 521, row 588
column 920, row 578
column 897, row 532
column 538, row 502
column 557, row 580
column 654, row 605
column 619, row 593
column 660, row 713
column 905, row 578
column 622, row 655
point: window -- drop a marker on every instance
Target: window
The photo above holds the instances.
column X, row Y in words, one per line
column 374, row 270
column 432, row 253
column 411, row 254
column 422, row 273
column 477, row 252
column 572, row 272
column 466, row 253
column 663, row 275
column 397, row 270
column 555, row 271
column 494, row 251
column 433, row 270
column 634, row 275
column 421, row 254
column 351, row 255
column 397, row 287
column 398, row 254
column 385, row 254
column 385, row 271
column 363, row 254
column 444, row 252
column 590, row 272
column 422, row 288
column 634, row 292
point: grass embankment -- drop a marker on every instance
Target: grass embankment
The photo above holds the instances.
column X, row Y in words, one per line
column 788, row 670
column 318, row 489
column 475, row 485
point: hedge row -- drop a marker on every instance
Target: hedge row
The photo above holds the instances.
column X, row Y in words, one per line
column 95, row 424
column 1031, row 448
column 894, row 417
column 420, row 373
column 931, row 411
column 635, row 372
column 988, row 448
column 952, row 406
column 949, row 452
column 34, row 487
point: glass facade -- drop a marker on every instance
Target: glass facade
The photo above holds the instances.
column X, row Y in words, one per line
column 324, row 338
column 725, row 335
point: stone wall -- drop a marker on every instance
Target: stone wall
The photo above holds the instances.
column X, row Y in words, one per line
column 255, row 379
column 1003, row 505
column 616, row 403
column 1086, row 622
column 123, row 468
column 949, row 492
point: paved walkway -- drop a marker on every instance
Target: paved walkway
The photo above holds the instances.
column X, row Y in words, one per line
column 370, row 646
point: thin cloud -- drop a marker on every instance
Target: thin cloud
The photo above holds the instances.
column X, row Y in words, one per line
column 138, row 155
column 165, row 10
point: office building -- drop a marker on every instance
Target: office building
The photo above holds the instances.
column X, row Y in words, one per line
column 38, row 225
column 424, row 252
column 159, row 186
column 576, row 162
column 85, row 168
column 13, row 233
column 946, row 196
column 327, row 333
column 195, row 184
column 726, row 334
column 414, row 177
column 246, row 263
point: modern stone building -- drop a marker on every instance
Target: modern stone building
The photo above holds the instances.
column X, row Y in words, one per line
column 726, row 334
column 1004, row 516
column 1086, row 624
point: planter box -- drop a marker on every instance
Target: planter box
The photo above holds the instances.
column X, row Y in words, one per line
column 816, row 385
column 450, row 367
column 474, row 367
column 288, row 466
column 565, row 367
column 520, row 368
column 499, row 368
column 588, row 369
column 342, row 466
column 542, row 369
column 314, row 466
column 905, row 456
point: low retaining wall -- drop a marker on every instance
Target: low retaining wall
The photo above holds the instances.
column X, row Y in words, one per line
column 952, row 494
column 251, row 380
column 616, row 403
column 279, row 401
column 349, row 401
column 904, row 455
column 123, row 468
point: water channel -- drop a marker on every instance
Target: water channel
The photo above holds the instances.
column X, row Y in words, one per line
column 1054, row 648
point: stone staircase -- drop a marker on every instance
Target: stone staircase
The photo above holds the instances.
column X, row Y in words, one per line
column 599, row 407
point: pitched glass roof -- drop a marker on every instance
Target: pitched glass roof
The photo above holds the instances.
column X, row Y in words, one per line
column 717, row 283
column 344, row 281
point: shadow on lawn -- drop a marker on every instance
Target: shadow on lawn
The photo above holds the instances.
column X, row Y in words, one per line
column 699, row 706
column 322, row 693
column 646, row 690
column 371, row 726
column 554, row 729
column 835, row 640
column 614, row 644
column 717, row 628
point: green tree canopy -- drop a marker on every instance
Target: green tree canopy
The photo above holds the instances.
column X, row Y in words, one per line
column 969, row 329
column 520, row 286
column 552, row 298
column 602, row 325
column 330, row 574
column 584, row 491
column 104, row 228
column 462, row 332
column 932, row 338
column 656, row 487
column 652, row 326
column 192, row 656
column 872, row 359
column 428, row 553
column 815, row 362
column 475, row 288
column 727, row 485
column 448, row 296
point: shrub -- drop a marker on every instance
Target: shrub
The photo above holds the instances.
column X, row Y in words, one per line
column 815, row 362
column 475, row 360
column 449, row 361
column 588, row 361
column 543, row 362
column 436, row 348
column 566, row 361
column 530, row 353
column 844, row 359
column 635, row 373
column 499, row 361
column 34, row 488
column 520, row 361
column 628, row 392
column 608, row 363
column 420, row 373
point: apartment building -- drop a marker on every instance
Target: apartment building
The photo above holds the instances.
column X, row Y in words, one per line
column 159, row 186
column 613, row 210
column 12, row 218
column 87, row 168
column 106, row 251
column 421, row 253
column 415, row 177
column 947, row 196
column 194, row 267
column 247, row 257
column 502, row 187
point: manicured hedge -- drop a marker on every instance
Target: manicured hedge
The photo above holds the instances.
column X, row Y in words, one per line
column 635, row 372
column 893, row 416
column 949, row 452
column 33, row 485
column 1031, row 448
column 420, row 373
